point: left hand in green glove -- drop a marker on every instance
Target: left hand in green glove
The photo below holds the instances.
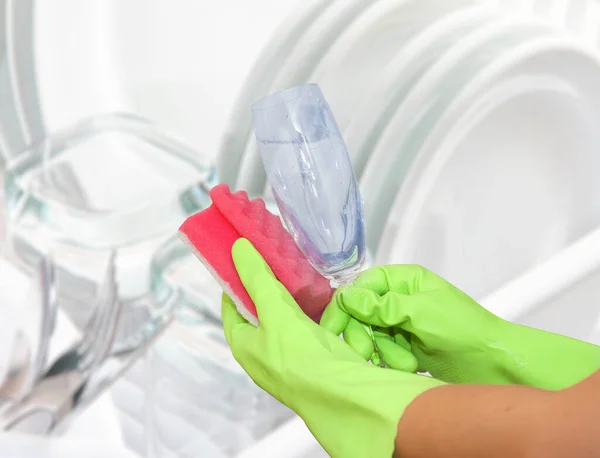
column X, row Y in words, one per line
column 351, row 406
column 453, row 337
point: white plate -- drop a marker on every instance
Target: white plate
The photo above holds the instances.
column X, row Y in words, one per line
column 398, row 77
column 584, row 22
column 519, row 8
column 260, row 78
column 346, row 73
column 580, row 17
column 388, row 26
column 555, row 12
column 392, row 156
column 481, row 210
column 296, row 70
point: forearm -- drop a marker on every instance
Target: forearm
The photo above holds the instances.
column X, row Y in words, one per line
column 471, row 421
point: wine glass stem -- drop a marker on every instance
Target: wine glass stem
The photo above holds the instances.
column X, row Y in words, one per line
column 377, row 357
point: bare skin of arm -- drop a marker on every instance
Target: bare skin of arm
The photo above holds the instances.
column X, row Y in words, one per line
column 473, row 421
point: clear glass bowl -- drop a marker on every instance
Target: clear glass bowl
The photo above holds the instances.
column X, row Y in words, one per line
column 112, row 182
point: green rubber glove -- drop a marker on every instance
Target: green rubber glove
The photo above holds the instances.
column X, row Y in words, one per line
column 351, row 406
column 454, row 338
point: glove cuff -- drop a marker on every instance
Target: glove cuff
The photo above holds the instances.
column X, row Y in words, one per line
column 356, row 415
column 548, row 361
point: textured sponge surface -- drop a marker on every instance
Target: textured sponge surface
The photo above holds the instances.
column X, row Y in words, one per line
column 211, row 238
column 250, row 219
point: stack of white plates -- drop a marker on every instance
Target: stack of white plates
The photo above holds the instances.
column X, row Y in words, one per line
column 485, row 183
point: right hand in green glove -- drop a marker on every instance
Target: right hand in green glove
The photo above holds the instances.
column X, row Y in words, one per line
column 351, row 407
column 452, row 336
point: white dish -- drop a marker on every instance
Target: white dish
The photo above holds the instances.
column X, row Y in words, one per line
column 391, row 27
column 257, row 84
column 542, row 102
column 296, row 70
column 587, row 28
column 346, row 73
column 398, row 77
column 554, row 12
column 518, row 8
column 391, row 158
column 579, row 17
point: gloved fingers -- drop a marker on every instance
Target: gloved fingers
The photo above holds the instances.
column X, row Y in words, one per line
column 390, row 310
column 384, row 333
column 232, row 320
column 334, row 318
column 357, row 337
column 396, row 357
column 264, row 289
column 402, row 338
column 399, row 278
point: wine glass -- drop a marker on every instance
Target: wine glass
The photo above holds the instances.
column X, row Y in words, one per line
column 312, row 180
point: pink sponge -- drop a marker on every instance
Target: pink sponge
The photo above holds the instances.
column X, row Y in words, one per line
column 212, row 232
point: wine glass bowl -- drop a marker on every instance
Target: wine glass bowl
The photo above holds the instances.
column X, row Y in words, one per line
column 310, row 174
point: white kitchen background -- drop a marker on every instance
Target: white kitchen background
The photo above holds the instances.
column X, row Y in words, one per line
column 472, row 126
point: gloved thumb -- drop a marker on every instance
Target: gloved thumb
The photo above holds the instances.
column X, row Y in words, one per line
column 394, row 355
column 262, row 286
column 357, row 337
